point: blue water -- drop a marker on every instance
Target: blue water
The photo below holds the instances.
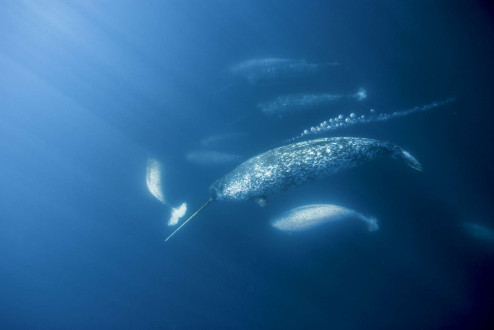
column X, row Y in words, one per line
column 90, row 90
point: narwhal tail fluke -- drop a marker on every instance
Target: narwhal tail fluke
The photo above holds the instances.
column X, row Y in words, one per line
column 411, row 161
column 190, row 218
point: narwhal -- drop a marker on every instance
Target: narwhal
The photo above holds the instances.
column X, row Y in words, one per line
column 306, row 217
column 293, row 165
column 261, row 70
column 306, row 102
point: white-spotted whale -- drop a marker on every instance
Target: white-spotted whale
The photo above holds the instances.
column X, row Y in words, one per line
column 295, row 164
column 310, row 216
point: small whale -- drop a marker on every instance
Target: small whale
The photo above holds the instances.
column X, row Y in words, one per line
column 295, row 164
column 305, row 102
column 310, row 216
column 263, row 70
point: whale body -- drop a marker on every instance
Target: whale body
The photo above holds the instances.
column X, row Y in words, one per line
column 305, row 102
column 310, row 216
column 271, row 69
column 293, row 165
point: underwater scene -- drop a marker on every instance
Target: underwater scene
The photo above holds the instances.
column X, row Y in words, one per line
column 246, row 164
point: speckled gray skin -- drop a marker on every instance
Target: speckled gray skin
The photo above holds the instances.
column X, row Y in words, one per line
column 290, row 166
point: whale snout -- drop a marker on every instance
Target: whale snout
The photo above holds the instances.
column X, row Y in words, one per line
column 215, row 189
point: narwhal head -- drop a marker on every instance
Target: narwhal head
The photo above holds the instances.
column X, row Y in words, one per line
column 229, row 188
column 216, row 189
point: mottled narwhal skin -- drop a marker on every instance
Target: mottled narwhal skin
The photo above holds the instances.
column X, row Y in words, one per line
column 292, row 165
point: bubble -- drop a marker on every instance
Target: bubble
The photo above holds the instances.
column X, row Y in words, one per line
column 340, row 121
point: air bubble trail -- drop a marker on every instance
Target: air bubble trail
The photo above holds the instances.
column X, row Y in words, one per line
column 352, row 119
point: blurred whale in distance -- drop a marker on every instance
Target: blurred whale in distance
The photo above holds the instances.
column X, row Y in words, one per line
column 310, row 216
column 478, row 231
column 295, row 164
column 262, row 70
column 306, row 102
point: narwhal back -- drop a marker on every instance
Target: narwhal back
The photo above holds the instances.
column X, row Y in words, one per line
column 293, row 165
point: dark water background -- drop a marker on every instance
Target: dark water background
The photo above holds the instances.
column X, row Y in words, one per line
column 89, row 90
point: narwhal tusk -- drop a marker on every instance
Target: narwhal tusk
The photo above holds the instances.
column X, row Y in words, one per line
column 190, row 218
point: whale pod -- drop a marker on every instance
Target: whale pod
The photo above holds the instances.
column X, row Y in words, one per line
column 293, row 165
